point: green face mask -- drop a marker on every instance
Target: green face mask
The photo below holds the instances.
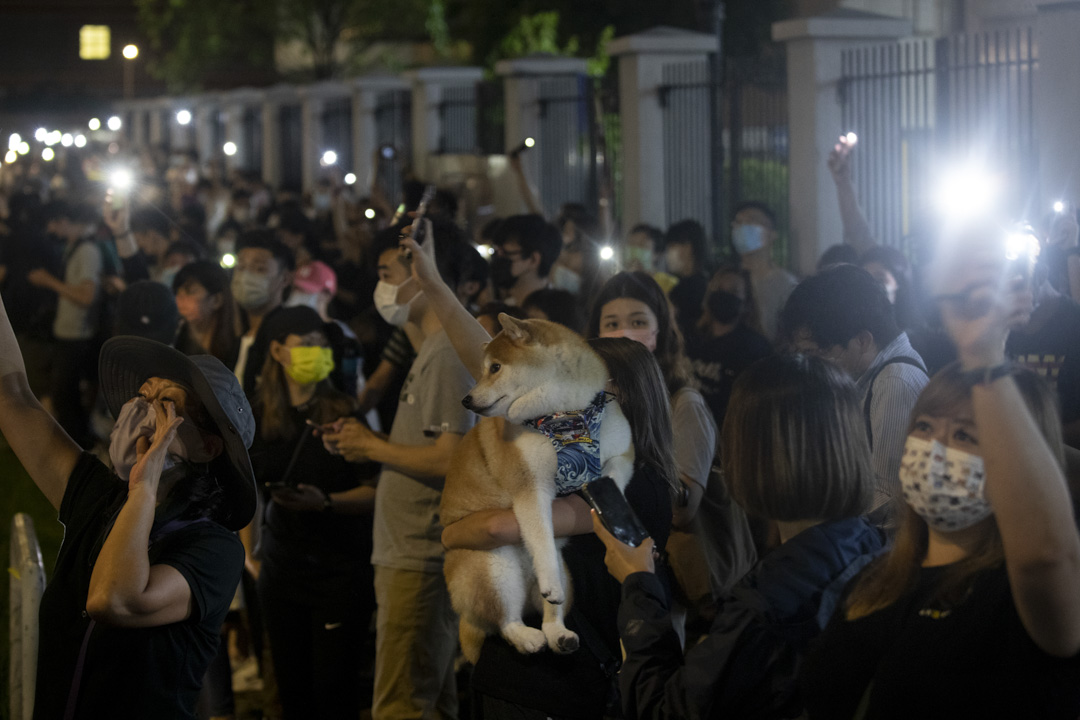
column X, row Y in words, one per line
column 309, row 364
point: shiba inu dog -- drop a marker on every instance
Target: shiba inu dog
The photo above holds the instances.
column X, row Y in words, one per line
column 542, row 386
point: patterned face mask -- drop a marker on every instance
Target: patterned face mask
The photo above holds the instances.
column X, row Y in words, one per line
column 943, row 485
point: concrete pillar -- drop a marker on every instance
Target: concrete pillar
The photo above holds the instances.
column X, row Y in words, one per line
column 1057, row 99
column 235, row 103
column 814, row 46
column 205, row 112
column 181, row 137
column 641, row 61
column 521, row 80
column 428, row 87
column 314, row 101
column 158, row 120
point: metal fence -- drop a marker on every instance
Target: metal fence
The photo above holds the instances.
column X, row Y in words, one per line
column 251, row 140
column 491, row 117
column 291, row 146
column 27, row 582
column 393, row 128
column 753, row 130
column 337, row 130
column 457, row 120
column 566, row 147
column 918, row 106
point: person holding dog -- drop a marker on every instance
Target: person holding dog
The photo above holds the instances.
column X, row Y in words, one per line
column 415, row 627
column 131, row 617
column 793, row 453
column 711, row 546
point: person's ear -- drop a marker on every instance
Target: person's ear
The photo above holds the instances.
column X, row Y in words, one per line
column 216, row 301
column 865, row 343
column 535, row 259
column 280, row 353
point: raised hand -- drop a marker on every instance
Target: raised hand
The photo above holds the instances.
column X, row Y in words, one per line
column 150, row 452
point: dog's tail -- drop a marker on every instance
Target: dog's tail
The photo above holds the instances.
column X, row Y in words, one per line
column 472, row 639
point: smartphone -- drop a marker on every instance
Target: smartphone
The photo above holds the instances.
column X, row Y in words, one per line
column 526, row 144
column 419, row 228
column 618, row 517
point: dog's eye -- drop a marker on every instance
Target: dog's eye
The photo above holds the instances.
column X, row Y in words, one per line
column 495, row 367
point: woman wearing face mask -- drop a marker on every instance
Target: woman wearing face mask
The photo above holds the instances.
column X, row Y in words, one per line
column 205, row 302
column 149, row 564
column 632, row 305
column 314, row 580
column 973, row 613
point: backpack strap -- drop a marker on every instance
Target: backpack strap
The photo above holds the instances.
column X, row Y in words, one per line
column 898, row 360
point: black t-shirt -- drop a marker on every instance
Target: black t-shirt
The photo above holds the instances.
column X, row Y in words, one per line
column 575, row 685
column 318, row 553
column 129, row 673
column 1053, row 351
column 31, row 308
column 717, row 361
column 917, row 660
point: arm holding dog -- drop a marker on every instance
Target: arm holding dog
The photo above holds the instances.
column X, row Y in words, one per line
column 489, row 529
column 466, row 334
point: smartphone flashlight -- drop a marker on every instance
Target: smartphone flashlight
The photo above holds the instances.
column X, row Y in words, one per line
column 1059, row 207
column 526, row 144
column 851, row 138
column 120, row 179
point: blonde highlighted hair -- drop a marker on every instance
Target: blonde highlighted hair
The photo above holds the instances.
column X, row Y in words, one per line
column 794, row 445
column 889, row 577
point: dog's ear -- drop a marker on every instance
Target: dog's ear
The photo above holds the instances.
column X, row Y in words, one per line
column 516, row 330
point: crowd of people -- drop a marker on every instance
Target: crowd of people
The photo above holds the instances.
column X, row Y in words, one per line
column 243, row 402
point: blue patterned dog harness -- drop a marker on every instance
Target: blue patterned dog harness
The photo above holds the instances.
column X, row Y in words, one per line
column 573, row 434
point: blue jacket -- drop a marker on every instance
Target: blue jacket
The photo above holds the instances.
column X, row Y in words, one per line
column 747, row 665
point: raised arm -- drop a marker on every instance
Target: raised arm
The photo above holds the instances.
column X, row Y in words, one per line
column 857, row 232
column 466, row 334
column 1024, row 482
column 527, row 194
column 42, row 446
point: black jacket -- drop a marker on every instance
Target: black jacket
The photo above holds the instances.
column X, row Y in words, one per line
column 746, row 667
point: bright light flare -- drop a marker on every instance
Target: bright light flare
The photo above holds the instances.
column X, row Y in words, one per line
column 370, row 213
column 229, row 148
column 115, row 123
column 1021, row 243
column 350, row 178
column 606, row 253
column 67, row 139
column 851, row 138
column 530, row 142
column 40, row 134
column 967, row 193
column 121, row 179
column 24, row 148
column 183, row 117
column 80, row 141
column 131, row 52
column 94, row 124
column 47, row 154
column 329, row 158
column 486, row 250
column 53, row 138
column 11, row 157
column 1059, row 207
column 228, row 260
column 14, row 141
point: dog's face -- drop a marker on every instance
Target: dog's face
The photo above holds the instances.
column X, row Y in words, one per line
column 534, row 368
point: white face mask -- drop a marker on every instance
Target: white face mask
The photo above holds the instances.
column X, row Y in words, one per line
column 748, row 238
column 393, row 312
column 943, row 485
column 138, row 419
column 251, row 289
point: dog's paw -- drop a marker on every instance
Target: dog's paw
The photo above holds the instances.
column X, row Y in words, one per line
column 525, row 639
column 560, row 639
column 553, row 594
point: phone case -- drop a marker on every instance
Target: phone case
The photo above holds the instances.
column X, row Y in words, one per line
column 614, row 511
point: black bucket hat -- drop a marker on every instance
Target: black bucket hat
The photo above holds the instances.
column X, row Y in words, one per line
column 126, row 362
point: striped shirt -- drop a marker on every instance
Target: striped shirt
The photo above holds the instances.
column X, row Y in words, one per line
column 895, row 390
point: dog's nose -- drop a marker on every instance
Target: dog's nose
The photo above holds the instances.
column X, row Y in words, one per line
column 467, row 402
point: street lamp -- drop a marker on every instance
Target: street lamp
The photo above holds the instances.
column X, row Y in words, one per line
column 130, row 52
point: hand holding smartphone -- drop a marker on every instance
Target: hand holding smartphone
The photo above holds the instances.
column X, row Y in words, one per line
column 614, row 511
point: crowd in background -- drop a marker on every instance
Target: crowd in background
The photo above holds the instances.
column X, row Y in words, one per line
column 787, row 435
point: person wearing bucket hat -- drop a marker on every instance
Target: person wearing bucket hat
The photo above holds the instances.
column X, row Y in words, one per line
column 314, row 560
column 149, row 562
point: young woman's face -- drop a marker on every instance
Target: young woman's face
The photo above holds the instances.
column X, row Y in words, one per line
column 282, row 352
column 629, row 318
column 195, row 304
column 957, row 431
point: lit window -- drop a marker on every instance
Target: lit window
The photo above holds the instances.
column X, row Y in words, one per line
column 94, row 42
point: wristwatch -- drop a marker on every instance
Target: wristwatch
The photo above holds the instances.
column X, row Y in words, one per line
column 986, row 375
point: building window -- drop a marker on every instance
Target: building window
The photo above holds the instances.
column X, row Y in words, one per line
column 94, row 42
